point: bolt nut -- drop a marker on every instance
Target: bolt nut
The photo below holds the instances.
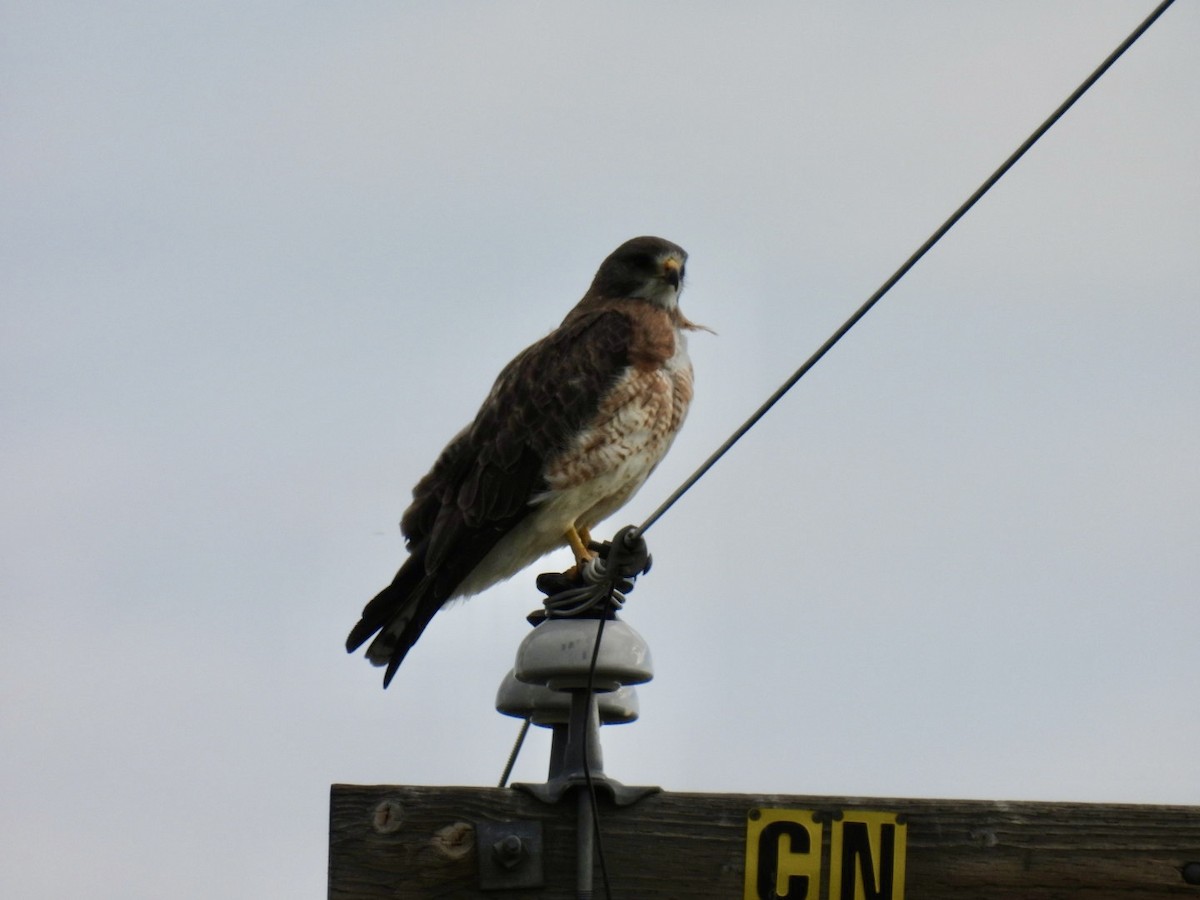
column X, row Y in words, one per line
column 1191, row 872
column 508, row 851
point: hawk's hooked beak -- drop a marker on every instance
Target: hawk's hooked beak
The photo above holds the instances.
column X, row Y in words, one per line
column 671, row 272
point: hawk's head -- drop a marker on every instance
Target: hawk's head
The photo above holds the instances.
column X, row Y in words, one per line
column 644, row 268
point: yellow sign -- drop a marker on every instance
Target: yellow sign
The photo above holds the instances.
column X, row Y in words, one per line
column 794, row 853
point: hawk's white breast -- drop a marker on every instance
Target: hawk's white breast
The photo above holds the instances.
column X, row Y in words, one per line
column 605, row 465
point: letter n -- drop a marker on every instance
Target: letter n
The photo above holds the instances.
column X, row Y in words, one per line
column 867, row 852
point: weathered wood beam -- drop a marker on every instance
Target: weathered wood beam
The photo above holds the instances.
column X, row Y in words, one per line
column 400, row 842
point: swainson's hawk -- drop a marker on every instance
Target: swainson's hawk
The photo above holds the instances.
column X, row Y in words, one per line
column 571, row 429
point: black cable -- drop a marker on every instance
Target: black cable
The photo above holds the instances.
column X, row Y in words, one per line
column 908, row 264
column 622, row 560
column 587, row 768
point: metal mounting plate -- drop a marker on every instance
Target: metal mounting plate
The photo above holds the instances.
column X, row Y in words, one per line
column 510, row 855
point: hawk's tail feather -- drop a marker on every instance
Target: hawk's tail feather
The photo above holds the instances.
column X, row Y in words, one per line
column 396, row 616
column 384, row 606
column 393, row 643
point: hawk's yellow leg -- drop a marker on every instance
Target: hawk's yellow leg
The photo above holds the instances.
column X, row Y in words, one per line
column 579, row 544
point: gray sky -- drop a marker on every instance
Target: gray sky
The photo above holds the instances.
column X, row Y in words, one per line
column 260, row 261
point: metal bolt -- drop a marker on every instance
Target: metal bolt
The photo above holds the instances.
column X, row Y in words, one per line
column 1191, row 872
column 508, row 851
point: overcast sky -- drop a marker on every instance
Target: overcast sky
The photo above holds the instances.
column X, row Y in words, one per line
column 261, row 260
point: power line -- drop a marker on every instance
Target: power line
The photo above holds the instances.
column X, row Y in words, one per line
column 937, row 235
column 908, row 264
